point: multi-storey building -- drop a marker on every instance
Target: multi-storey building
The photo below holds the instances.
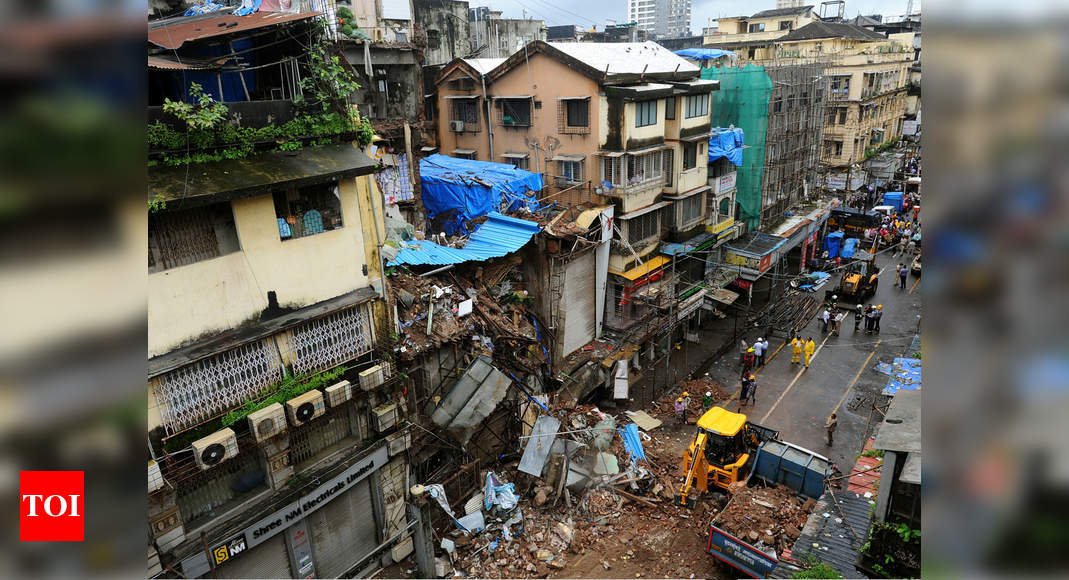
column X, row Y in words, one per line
column 495, row 37
column 631, row 119
column 746, row 34
column 661, row 18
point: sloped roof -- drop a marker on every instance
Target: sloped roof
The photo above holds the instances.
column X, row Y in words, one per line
column 625, row 57
column 483, row 65
column 865, row 21
column 782, row 12
column 498, row 236
column 832, row 539
column 174, row 32
column 819, row 29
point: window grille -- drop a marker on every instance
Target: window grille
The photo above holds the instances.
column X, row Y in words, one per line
column 329, row 341
column 323, row 432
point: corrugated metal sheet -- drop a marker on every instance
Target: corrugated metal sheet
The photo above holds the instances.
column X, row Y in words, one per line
column 498, row 236
column 173, row 33
column 831, row 539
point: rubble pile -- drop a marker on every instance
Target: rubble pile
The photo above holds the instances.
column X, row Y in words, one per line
column 772, row 516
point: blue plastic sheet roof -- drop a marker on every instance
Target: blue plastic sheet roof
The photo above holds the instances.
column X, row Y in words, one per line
column 632, row 442
column 850, row 247
column 460, row 190
column 497, row 236
column 905, row 376
column 703, row 53
column 727, row 143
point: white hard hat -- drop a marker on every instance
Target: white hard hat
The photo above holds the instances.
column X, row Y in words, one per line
column 708, row 393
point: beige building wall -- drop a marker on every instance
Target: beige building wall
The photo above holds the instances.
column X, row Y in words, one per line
column 475, row 136
column 211, row 296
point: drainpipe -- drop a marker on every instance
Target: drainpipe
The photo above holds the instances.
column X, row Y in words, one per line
column 489, row 123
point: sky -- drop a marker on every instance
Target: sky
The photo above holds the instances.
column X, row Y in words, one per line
column 587, row 12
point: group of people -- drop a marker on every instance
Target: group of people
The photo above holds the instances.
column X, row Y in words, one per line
column 871, row 315
column 799, row 347
column 683, row 403
column 752, row 357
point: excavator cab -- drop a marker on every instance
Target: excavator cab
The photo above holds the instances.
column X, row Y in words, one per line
column 720, row 453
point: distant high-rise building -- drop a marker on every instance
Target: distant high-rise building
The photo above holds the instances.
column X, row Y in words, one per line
column 663, row 18
column 789, row 3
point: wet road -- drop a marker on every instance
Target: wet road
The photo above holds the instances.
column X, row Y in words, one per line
column 840, row 379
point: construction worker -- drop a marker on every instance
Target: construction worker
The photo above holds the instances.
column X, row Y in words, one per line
column 859, row 313
column 830, row 428
column 707, row 401
column 749, row 391
column 825, row 318
column 870, row 319
column 748, row 361
column 686, row 401
column 810, row 350
column 681, row 411
column 796, row 350
column 876, row 320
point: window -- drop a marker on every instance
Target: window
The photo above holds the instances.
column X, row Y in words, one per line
column 839, row 86
column 572, row 170
column 833, row 148
column 691, row 209
column 515, row 112
column 465, row 154
column 842, row 115
column 644, row 168
column 645, row 113
column 307, row 211
column 612, row 170
column 777, row 105
column 690, row 155
column 434, row 39
column 466, row 110
column 757, row 27
column 180, row 238
column 670, row 108
column 577, row 112
column 751, row 53
column 786, row 25
column 724, row 210
column 643, row 227
column 518, row 162
column 697, row 106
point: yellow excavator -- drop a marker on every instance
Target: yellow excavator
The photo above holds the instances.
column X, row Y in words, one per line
column 721, row 453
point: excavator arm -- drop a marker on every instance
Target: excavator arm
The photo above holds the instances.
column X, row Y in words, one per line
column 694, row 467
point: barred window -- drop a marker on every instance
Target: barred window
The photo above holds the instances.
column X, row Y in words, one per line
column 180, row 238
column 644, row 168
column 691, row 209
column 644, row 227
column 572, row 170
column 308, row 211
column 515, row 112
column 466, row 110
column 578, row 113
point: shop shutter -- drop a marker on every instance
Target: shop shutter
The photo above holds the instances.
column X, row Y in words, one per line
column 267, row 560
column 578, row 303
column 343, row 531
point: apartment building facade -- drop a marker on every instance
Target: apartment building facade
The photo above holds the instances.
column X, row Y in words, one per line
column 661, row 18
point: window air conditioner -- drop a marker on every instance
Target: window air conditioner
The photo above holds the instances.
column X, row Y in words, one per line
column 338, row 393
column 267, row 422
column 456, row 126
column 215, row 448
column 374, row 376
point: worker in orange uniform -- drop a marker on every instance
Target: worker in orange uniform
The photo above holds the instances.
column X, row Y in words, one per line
column 810, row 350
column 796, row 350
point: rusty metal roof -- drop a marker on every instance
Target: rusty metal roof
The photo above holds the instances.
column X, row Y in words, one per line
column 157, row 62
column 174, row 32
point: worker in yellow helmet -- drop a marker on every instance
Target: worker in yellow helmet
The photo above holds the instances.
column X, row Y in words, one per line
column 686, row 400
column 796, row 350
column 681, row 411
column 879, row 315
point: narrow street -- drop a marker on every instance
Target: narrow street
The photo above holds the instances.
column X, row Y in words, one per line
column 840, row 379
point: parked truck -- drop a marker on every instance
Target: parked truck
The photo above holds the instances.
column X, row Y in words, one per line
column 776, row 463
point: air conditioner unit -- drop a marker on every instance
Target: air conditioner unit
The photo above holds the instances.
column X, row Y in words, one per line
column 215, row 448
column 304, row 408
column 374, row 376
column 155, row 477
column 384, row 417
column 338, row 393
column 456, row 126
column 267, row 422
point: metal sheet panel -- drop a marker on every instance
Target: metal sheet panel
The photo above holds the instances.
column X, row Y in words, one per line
column 498, row 236
column 173, row 33
column 267, row 560
column 577, row 303
column 343, row 532
column 539, row 444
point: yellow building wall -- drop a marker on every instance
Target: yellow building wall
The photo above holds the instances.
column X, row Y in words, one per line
column 211, row 296
column 630, row 131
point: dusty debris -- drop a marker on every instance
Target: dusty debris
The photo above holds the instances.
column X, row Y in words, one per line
column 772, row 515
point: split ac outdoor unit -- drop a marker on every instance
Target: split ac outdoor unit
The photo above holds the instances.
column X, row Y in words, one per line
column 304, row 408
column 155, row 477
column 215, row 448
column 384, row 417
column 456, row 126
column 267, row 422
column 374, row 376
column 338, row 393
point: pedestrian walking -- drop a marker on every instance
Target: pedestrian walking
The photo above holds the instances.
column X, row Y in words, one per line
column 876, row 320
column 796, row 350
column 681, row 411
column 810, row 350
column 903, row 271
column 825, row 317
column 707, row 401
column 859, row 313
column 743, row 347
column 748, row 361
column 830, row 428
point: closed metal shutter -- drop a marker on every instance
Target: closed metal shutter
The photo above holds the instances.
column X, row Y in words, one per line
column 343, row 531
column 267, row 560
column 578, row 303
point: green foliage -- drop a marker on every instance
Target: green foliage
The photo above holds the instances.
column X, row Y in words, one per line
column 203, row 113
column 157, row 203
column 346, row 29
column 290, row 387
column 184, row 440
column 907, row 533
column 817, row 569
column 873, row 453
column 329, row 81
column 345, row 13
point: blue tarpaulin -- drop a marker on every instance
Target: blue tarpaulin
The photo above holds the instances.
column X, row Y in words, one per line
column 497, row 236
column 849, row 247
column 832, row 243
column 905, row 376
column 704, row 53
column 460, row 190
column 632, row 442
column 893, row 198
column 726, row 143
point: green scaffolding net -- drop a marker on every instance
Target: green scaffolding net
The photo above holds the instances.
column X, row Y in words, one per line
column 743, row 101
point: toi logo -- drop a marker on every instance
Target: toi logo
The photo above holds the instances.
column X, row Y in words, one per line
column 51, row 506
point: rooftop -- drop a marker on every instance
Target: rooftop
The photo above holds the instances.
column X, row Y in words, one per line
column 782, row 12
column 819, row 29
column 901, row 427
column 622, row 58
column 483, row 65
column 172, row 33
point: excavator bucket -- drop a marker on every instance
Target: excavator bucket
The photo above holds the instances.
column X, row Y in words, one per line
column 689, row 502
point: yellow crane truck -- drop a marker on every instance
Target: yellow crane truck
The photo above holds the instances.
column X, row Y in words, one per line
column 721, row 453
